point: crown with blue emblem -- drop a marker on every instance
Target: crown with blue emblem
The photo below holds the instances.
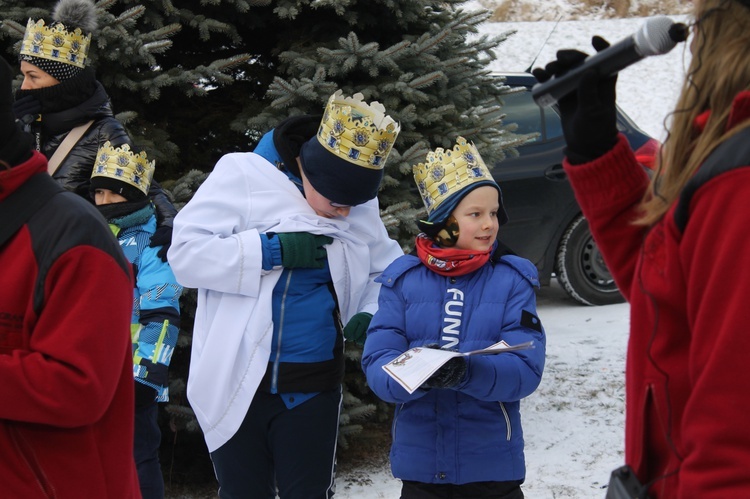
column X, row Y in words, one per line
column 356, row 131
column 56, row 43
column 122, row 165
column 447, row 172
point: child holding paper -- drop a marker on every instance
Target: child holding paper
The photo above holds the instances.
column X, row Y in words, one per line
column 459, row 434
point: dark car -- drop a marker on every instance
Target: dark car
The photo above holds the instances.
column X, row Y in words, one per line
column 546, row 225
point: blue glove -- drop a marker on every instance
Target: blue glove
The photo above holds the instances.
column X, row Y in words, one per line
column 356, row 330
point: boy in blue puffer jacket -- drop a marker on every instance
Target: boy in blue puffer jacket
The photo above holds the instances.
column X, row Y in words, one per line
column 459, row 434
column 119, row 186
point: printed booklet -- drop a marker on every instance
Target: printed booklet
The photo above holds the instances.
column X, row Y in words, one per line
column 415, row 366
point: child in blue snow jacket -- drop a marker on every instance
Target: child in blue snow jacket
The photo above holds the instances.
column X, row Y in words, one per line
column 119, row 186
column 459, row 434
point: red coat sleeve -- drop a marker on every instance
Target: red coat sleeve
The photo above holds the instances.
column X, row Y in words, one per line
column 69, row 374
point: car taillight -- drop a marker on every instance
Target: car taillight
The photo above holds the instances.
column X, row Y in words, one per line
column 647, row 153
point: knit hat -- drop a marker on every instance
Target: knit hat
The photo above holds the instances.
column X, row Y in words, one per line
column 61, row 49
column 446, row 177
column 122, row 171
column 344, row 161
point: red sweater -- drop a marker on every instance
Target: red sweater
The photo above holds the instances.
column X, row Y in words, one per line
column 66, row 396
column 687, row 384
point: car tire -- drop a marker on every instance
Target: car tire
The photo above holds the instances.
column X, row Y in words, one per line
column 580, row 268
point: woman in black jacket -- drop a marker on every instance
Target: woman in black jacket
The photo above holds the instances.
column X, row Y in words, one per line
column 60, row 92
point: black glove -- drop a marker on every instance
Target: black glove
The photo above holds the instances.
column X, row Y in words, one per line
column 27, row 108
column 15, row 145
column 144, row 395
column 303, row 250
column 449, row 375
column 356, row 329
column 162, row 237
column 588, row 114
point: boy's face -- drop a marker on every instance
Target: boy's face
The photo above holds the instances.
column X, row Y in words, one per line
column 476, row 215
column 105, row 196
column 322, row 206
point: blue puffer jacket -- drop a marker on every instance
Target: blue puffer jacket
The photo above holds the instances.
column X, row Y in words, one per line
column 472, row 432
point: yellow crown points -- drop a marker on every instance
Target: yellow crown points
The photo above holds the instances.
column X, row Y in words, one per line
column 446, row 172
column 56, row 43
column 356, row 131
column 120, row 163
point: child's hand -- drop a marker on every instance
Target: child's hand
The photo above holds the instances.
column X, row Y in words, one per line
column 356, row 329
column 449, row 375
column 303, row 250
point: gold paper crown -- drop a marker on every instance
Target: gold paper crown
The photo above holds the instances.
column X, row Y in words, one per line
column 446, row 172
column 56, row 43
column 120, row 163
column 357, row 132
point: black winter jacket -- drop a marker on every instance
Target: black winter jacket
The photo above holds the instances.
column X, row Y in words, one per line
column 83, row 101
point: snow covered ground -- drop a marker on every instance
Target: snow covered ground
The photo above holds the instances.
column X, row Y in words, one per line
column 573, row 424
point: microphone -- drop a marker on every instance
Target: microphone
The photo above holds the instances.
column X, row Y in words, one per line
column 657, row 36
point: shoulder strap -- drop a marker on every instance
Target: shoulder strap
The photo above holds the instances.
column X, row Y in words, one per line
column 731, row 154
column 66, row 146
column 21, row 204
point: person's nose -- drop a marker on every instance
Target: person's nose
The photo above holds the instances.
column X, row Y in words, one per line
column 344, row 212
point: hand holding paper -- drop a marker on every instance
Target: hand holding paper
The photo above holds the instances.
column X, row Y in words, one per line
column 415, row 366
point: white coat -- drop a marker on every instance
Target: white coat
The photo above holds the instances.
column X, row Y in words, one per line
column 216, row 248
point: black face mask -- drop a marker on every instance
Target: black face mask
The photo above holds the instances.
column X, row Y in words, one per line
column 119, row 210
column 66, row 94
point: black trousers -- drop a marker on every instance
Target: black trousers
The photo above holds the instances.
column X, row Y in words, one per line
column 147, row 438
column 292, row 449
column 475, row 490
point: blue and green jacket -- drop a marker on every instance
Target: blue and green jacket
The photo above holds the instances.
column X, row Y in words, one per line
column 155, row 323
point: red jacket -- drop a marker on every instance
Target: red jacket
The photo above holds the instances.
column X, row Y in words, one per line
column 687, row 381
column 66, row 395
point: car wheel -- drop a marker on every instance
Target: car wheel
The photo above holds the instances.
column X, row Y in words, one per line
column 580, row 267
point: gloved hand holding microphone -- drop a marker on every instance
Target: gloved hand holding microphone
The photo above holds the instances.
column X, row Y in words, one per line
column 584, row 86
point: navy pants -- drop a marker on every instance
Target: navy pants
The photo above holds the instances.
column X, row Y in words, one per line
column 293, row 450
column 475, row 490
column 146, row 451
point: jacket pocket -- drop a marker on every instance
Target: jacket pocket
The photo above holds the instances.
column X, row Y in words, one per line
column 509, row 430
column 28, row 457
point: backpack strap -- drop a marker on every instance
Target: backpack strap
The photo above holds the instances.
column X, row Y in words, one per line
column 66, row 146
column 21, row 204
column 731, row 154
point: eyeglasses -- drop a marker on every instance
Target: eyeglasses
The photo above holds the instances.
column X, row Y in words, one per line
column 339, row 205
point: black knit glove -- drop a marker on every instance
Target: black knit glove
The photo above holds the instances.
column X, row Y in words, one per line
column 162, row 237
column 303, row 250
column 27, row 108
column 15, row 145
column 144, row 395
column 588, row 114
column 449, row 375
column 356, row 329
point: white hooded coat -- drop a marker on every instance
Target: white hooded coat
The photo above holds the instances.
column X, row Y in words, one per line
column 216, row 248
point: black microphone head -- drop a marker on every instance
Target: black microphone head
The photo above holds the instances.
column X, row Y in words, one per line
column 679, row 32
column 654, row 37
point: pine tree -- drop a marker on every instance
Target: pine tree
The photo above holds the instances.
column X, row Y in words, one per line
column 208, row 77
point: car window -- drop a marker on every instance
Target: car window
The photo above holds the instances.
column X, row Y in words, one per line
column 521, row 109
